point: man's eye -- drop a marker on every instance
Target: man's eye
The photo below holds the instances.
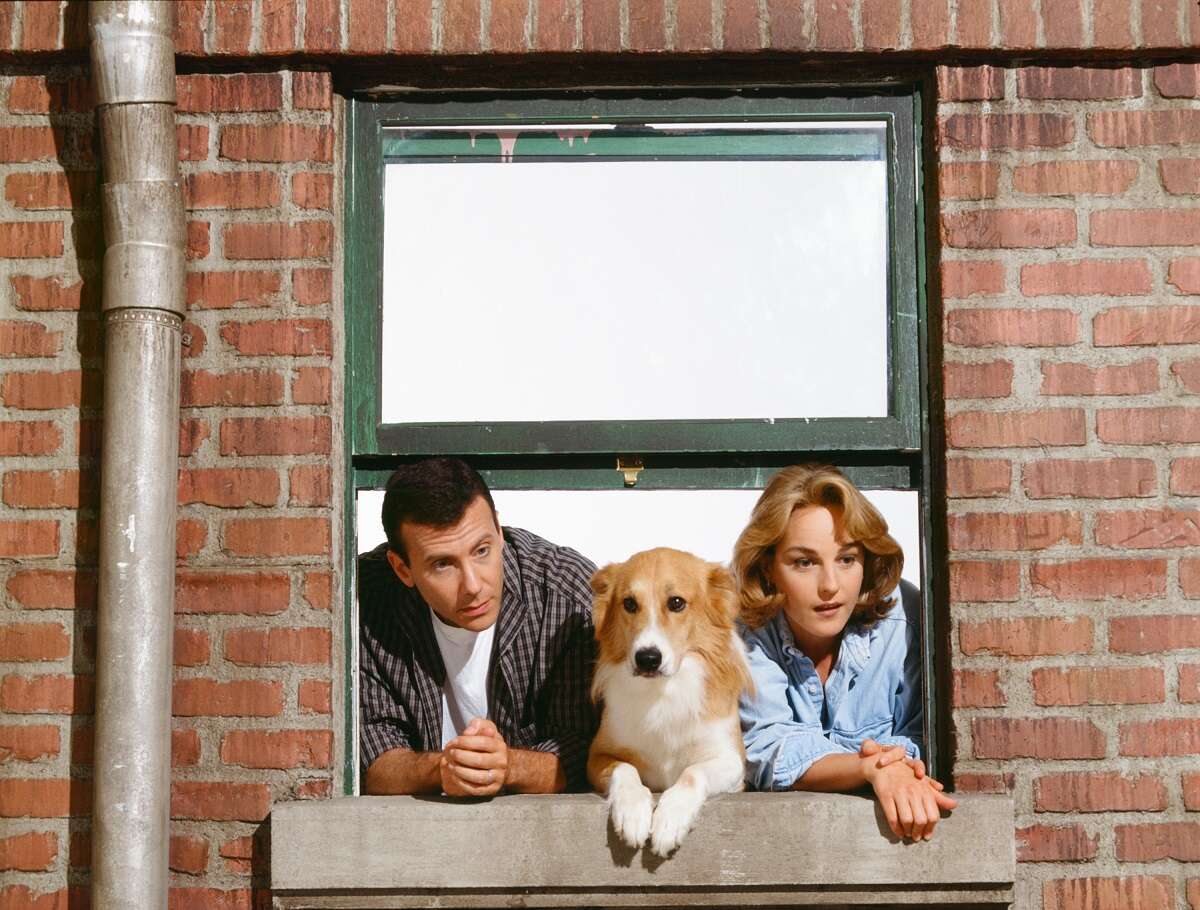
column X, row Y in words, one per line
column 629, row 604
column 482, row 552
column 675, row 604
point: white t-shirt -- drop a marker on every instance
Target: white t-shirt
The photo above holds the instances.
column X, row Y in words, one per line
column 467, row 656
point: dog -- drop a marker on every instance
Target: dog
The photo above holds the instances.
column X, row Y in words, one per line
column 669, row 672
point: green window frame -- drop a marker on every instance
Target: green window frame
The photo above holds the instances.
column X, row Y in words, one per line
column 888, row 452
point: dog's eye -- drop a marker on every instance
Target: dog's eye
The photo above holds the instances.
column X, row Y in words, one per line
column 630, row 605
column 676, row 603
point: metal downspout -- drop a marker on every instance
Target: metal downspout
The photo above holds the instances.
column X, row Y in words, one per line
column 133, row 71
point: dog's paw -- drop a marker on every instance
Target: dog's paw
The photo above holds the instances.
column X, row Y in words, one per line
column 677, row 809
column 631, row 808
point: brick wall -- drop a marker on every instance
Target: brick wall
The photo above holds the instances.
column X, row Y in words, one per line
column 1070, row 269
column 1070, row 280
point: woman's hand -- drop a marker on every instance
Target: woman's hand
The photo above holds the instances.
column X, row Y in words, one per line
column 912, row 805
column 889, row 754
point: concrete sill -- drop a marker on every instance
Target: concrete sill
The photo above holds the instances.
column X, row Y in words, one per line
column 557, row 851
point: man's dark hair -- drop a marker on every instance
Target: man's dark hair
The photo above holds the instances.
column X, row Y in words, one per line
column 434, row 492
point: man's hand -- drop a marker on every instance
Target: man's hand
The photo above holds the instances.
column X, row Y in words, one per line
column 475, row 763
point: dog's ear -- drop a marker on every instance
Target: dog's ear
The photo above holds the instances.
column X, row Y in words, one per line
column 722, row 591
column 602, row 582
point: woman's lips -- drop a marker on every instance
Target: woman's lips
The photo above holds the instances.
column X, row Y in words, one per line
column 824, row 609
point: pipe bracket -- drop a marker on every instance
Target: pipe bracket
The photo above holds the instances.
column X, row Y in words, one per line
column 156, row 317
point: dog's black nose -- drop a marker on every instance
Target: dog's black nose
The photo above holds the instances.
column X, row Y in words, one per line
column 648, row 659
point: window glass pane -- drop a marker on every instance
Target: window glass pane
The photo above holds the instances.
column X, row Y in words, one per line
column 661, row 273
column 610, row 525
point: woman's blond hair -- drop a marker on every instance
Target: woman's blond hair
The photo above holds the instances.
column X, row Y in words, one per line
column 807, row 485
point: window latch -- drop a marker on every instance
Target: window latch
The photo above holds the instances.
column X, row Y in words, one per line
column 630, row 466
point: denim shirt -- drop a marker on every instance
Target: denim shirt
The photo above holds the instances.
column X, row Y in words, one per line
column 873, row 692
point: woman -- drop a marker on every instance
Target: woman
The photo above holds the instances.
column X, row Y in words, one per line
column 835, row 658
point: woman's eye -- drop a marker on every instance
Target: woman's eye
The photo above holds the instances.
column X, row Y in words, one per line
column 675, row 604
column 802, row 563
column 849, row 560
column 629, row 604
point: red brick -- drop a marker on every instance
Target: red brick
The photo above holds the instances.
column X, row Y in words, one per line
column 1098, row 686
column 233, row 20
column 278, row 748
column 1027, row 636
column 1153, row 634
column 275, row 240
column 315, row 696
column 366, row 27
column 1089, row 478
column 978, row 380
column 219, row 801
column 1078, row 791
column 1005, row 531
column 1147, row 426
column 212, row 899
column 276, row 436
column 1074, row 83
column 31, row 239
column 1143, row 892
column 313, row 191
column 311, row 385
column 258, row 593
column 970, row 83
column 312, row 90
column 189, row 26
column 20, row 539
column 230, row 488
column 1007, row 131
column 232, row 190
column 197, row 240
column 982, row 782
column 460, row 26
column 1099, row 579
column 278, row 29
column 1111, row 25
column 786, row 25
column 45, row 95
column 968, row 179
column 1180, row 176
column 312, row 287
column 977, row 689
column 970, row 278
column 29, row 143
column 930, row 23
column 1189, row 577
column 23, row 338
column 1148, row 529
column 647, row 26
column 313, row 789
column 29, row 742
column 33, row 851
column 192, row 140
column 1043, row 737
column 413, row 26
column 1164, row 840
column 1007, row 327
column 44, row 797
column 972, row 582
column 881, row 25
column 271, row 647
column 1010, row 228
column 973, row 25
column 322, row 25
column 185, row 748
column 1178, row 80
column 1149, row 325
column 1189, row 694
column 1087, row 277
column 976, row 477
column 309, row 485
column 293, row 337
column 276, row 142
column 34, row 641
column 1153, row 738
column 212, row 93
column 238, row 388
column 223, row 290
column 44, row 390
column 192, row 648
column 1055, row 843
column 52, row 589
column 29, row 437
column 44, row 190
column 556, row 24
column 48, row 489
column 602, row 25
column 1080, row 379
column 1160, row 23
column 1075, row 178
column 1124, row 129
column 1020, row 429
column 188, row 854
column 190, row 536
column 212, row 698
column 192, row 434
column 833, row 26
column 43, row 294
column 1062, row 23
column 1185, row 476
column 693, row 25
column 277, row 537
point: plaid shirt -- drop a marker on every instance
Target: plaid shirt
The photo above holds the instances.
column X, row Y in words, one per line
column 541, row 666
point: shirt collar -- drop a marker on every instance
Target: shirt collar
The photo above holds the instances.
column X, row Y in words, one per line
column 854, row 653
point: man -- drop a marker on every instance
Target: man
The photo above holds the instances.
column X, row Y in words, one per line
column 476, row 646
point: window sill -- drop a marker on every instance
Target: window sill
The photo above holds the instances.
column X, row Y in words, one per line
column 557, row 851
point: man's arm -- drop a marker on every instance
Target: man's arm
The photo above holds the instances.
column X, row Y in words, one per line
column 403, row 772
column 481, row 764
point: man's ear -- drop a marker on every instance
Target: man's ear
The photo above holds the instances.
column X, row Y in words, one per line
column 400, row 567
column 602, row 583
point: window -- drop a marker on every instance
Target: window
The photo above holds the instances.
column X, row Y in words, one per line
column 695, row 288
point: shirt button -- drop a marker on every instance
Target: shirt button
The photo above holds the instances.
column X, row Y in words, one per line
column 813, row 688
